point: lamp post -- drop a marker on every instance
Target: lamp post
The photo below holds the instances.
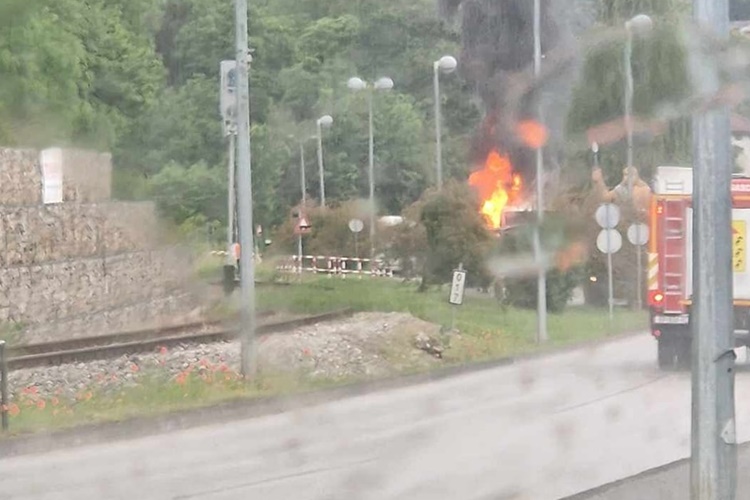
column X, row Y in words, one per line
column 357, row 84
column 541, row 305
column 446, row 64
column 640, row 24
column 323, row 121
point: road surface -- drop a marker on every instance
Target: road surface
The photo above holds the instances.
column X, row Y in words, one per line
column 540, row 429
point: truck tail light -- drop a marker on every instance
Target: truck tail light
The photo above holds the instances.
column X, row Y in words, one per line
column 655, row 298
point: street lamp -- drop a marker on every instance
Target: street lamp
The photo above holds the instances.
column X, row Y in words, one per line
column 323, row 121
column 641, row 25
column 446, row 64
column 357, row 84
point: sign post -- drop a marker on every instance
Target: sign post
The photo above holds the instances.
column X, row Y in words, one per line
column 457, row 292
column 638, row 237
column 302, row 228
column 356, row 226
column 609, row 242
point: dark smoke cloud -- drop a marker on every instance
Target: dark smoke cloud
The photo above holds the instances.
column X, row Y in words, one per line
column 497, row 59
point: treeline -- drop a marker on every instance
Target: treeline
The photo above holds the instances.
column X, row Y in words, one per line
column 140, row 78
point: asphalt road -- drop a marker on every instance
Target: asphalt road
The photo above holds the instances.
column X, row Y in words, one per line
column 541, row 429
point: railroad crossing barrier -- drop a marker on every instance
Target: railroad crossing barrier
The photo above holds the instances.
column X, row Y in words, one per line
column 335, row 266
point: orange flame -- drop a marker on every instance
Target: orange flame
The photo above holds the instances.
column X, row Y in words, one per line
column 533, row 134
column 498, row 186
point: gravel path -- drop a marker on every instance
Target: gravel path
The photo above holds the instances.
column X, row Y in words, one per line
column 365, row 345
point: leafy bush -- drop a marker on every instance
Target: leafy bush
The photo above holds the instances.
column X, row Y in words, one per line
column 561, row 281
column 455, row 233
column 183, row 193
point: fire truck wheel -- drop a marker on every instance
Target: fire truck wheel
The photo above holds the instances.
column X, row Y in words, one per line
column 666, row 353
column 684, row 352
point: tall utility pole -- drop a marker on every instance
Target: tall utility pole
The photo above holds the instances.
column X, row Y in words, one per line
column 541, row 306
column 245, row 195
column 713, row 472
column 371, row 176
column 303, row 187
column 230, row 199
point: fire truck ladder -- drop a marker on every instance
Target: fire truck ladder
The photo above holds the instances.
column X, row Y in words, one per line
column 674, row 255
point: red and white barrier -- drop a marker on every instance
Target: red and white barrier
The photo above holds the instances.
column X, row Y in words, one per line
column 335, row 266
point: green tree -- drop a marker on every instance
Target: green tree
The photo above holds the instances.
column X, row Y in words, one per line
column 455, row 233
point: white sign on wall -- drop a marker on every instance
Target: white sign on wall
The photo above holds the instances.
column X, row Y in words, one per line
column 52, row 175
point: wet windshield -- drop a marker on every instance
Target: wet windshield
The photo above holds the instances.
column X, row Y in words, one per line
column 459, row 249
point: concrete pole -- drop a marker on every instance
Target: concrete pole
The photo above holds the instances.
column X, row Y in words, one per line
column 714, row 448
column 303, row 186
column 230, row 200
column 320, row 166
column 245, row 196
column 542, row 335
column 302, row 180
column 438, row 127
column 371, row 176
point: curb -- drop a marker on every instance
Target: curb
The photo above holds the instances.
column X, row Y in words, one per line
column 600, row 490
column 139, row 427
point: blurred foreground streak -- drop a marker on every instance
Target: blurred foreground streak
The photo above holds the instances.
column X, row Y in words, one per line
column 539, row 429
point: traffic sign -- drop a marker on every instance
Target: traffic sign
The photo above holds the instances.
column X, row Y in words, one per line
column 356, row 226
column 638, row 234
column 457, row 287
column 609, row 241
column 302, row 226
column 608, row 216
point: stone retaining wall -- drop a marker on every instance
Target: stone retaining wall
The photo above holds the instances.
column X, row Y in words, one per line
column 46, row 233
column 55, row 291
column 86, row 266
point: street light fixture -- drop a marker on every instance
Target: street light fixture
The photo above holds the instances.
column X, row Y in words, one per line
column 323, row 121
column 357, row 84
column 446, row 64
column 640, row 25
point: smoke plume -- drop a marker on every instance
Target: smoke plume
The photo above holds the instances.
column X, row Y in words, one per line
column 497, row 59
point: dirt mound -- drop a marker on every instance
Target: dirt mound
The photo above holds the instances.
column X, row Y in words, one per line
column 366, row 345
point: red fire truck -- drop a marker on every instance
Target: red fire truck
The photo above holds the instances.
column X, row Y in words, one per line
column 670, row 263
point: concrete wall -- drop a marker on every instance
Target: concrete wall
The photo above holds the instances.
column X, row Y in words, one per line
column 87, row 266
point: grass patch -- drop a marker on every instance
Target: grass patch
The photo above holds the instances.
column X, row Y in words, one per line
column 152, row 396
column 488, row 330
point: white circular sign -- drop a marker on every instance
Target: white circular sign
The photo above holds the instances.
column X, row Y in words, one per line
column 609, row 241
column 356, row 225
column 638, row 234
column 608, row 216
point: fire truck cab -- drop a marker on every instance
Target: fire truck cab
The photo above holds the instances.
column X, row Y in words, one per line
column 670, row 263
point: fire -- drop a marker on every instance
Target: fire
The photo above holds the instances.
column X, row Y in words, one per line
column 532, row 133
column 498, row 186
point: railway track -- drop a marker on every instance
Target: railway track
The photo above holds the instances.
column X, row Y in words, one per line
column 119, row 344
